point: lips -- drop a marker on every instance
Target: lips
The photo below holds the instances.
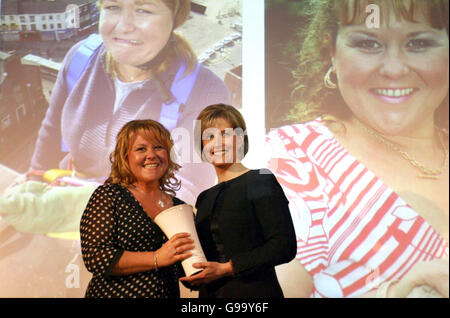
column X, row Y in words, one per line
column 219, row 151
column 151, row 165
column 130, row 42
column 394, row 95
column 396, row 92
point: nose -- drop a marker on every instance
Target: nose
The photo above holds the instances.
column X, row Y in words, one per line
column 125, row 22
column 395, row 64
column 150, row 153
column 217, row 141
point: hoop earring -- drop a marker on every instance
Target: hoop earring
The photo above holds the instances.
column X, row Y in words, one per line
column 327, row 79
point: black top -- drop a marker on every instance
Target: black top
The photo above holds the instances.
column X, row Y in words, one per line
column 114, row 221
column 247, row 220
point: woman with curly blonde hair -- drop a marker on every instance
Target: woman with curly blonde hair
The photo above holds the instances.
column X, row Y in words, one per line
column 125, row 250
column 142, row 69
column 149, row 129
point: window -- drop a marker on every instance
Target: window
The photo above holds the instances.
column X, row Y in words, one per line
column 59, row 26
column 22, row 19
column 52, row 26
column 32, row 19
column 43, row 18
column 44, row 27
column 33, row 27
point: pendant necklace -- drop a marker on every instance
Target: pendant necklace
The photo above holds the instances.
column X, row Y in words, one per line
column 425, row 172
column 160, row 201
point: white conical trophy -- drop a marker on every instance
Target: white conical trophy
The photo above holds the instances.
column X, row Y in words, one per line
column 178, row 219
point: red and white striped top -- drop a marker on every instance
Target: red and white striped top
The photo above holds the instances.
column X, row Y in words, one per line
column 353, row 231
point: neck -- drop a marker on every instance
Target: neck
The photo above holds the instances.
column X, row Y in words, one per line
column 229, row 171
column 147, row 188
column 426, row 151
column 420, row 139
column 130, row 73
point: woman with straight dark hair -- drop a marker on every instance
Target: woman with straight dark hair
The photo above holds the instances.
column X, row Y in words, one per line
column 243, row 222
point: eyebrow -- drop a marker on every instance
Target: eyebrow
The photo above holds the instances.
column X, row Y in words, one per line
column 363, row 32
column 145, row 2
column 414, row 34
column 137, row 2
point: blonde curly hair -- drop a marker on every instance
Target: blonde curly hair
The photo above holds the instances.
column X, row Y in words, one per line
column 152, row 131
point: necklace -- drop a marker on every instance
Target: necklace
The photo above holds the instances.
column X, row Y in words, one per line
column 425, row 172
column 160, row 201
column 140, row 74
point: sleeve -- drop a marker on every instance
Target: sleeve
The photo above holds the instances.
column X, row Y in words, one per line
column 272, row 213
column 47, row 152
column 98, row 232
column 305, row 188
column 39, row 208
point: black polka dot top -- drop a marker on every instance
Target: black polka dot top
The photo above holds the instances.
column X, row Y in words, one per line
column 113, row 222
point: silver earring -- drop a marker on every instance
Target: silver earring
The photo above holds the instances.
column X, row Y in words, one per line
column 327, row 79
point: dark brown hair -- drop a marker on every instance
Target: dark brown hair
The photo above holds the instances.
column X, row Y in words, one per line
column 208, row 116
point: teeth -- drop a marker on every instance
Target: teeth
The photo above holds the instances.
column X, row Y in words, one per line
column 129, row 41
column 395, row 92
column 153, row 165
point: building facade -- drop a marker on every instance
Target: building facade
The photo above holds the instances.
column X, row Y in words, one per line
column 46, row 19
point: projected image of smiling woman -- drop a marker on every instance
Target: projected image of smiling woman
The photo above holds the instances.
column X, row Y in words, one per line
column 367, row 169
column 134, row 31
column 130, row 76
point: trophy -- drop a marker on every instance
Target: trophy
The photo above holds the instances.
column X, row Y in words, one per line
column 177, row 219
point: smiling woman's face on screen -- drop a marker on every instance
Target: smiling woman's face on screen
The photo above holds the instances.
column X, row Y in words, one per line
column 134, row 32
column 394, row 77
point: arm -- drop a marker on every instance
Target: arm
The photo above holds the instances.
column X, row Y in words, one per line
column 39, row 208
column 279, row 245
column 99, row 252
column 135, row 262
column 295, row 280
column 434, row 274
column 47, row 151
column 272, row 212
